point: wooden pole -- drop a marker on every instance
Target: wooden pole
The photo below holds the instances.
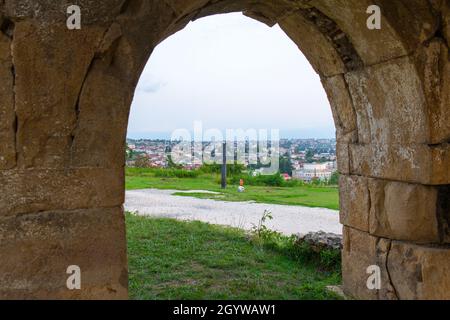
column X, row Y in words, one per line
column 224, row 165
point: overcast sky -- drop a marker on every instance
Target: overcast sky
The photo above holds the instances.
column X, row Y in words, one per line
column 230, row 72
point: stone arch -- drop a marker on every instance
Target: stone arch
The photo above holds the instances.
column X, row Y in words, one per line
column 64, row 103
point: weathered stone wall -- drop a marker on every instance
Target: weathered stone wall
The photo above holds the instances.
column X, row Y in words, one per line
column 64, row 103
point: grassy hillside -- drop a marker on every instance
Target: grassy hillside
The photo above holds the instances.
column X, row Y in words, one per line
column 291, row 194
column 169, row 259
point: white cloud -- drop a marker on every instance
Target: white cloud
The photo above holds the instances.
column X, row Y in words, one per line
column 230, row 72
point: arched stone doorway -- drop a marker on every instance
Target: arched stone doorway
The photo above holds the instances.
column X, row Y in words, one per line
column 65, row 98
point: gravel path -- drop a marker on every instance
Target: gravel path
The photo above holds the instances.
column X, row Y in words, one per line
column 286, row 219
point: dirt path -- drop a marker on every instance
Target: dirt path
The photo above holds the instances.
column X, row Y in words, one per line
column 286, row 219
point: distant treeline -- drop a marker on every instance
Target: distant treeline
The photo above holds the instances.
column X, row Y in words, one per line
column 234, row 175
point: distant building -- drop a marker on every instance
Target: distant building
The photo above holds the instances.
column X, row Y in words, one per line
column 298, row 151
column 315, row 171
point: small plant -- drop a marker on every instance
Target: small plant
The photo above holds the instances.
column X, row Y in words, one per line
column 330, row 258
column 262, row 233
column 327, row 260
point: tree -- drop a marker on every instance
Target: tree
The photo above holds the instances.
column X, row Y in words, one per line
column 334, row 180
column 171, row 164
column 129, row 153
column 142, row 161
column 309, row 156
column 286, row 165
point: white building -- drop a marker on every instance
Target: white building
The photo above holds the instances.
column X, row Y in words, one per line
column 315, row 171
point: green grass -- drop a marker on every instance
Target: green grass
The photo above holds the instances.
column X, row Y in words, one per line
column 171, row 260
column 309, row 196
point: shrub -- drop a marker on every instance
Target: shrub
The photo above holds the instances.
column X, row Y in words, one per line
column 232, row 169
column 262, row 233
column 142, row 161
column 175, row 173
column 334, row 180
column 133, row 171
column 162, row 173
column 293, row 183
column 261, row 180
column 328, row 260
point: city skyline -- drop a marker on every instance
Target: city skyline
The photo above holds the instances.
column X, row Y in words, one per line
column 284, row 134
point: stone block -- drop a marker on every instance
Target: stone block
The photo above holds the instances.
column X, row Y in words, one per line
column 403, row 211
column 36, row 250
column 354, row 202
column 53, row 12
column 315, row 46
column 419, row 272
column 360, row 252
column 414, row 163
column 405, row 24
column 446, row 20
column 7, row 113
column 100, row 134
column 443, row 212
column 183, row 7
column 393, row 210
column 50, row 66
column 386, row 115
column 342, row 106
column 343, row 157
column 28, row 191
column 433, row 65
column 408, row 271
